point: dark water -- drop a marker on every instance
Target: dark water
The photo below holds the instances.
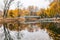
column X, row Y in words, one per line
column 53, row 29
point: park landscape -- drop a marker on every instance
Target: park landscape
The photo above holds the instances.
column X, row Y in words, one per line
column 21, row 24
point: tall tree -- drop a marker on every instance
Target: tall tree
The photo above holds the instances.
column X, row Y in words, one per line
column 6, row 8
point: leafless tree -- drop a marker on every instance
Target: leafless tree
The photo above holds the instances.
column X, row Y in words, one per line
column 6, row 9
column 19, row 35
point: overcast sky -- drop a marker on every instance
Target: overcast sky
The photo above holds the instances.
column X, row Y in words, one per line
column 26, row 3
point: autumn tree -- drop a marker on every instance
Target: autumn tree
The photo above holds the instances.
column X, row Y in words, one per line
column 43, row 13
column 55, row 8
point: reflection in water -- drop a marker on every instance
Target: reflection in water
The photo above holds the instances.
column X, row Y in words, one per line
column 40, row 31
column 53, row 29
column 37, row 35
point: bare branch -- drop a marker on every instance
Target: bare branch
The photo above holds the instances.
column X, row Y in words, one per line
column 6, row 7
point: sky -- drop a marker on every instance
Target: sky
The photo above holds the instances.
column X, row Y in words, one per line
column 26, row 3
